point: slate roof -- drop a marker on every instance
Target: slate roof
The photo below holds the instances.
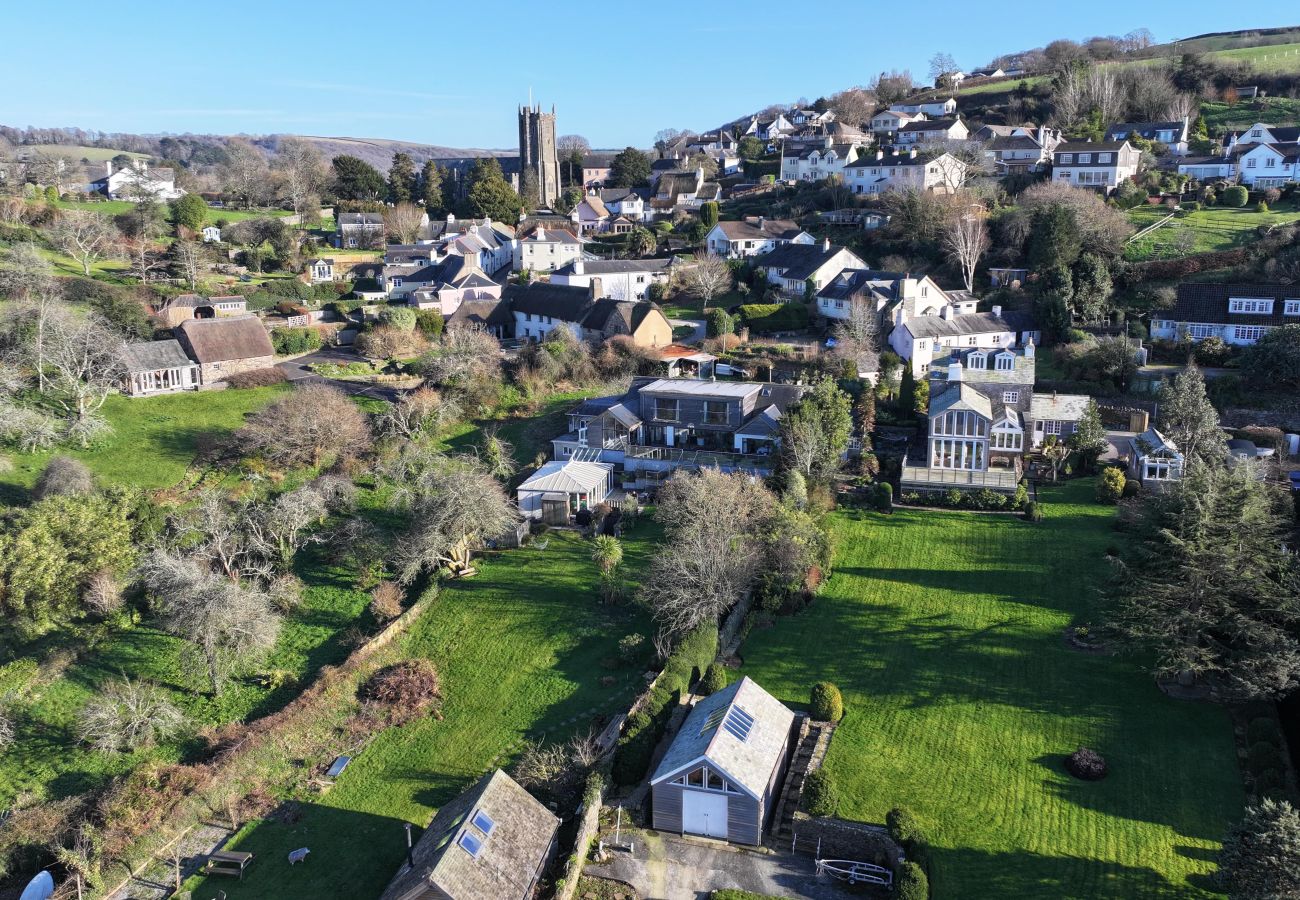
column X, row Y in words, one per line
column 223, row 339
column 618, row 195
column 961, row 396
column 1014, row 142
column 541, row 298
column 360, row 219
column 797, row 261
column 871, row 161
column 550, row 234
column 1021, row 374
column 1288, row 152
column 748, row 763
column 930, row 125
column 617, row 266
column 971, row 323
column 568, row 476
column 481, row 312
column 510, row 855
column 1093, row 147
column 1282, row 134
column 597, row 160
column 151, row 355
column 1061, row 407
column 1208, row 303
column 842, row 150
column 1148, row 130
column 769, row 229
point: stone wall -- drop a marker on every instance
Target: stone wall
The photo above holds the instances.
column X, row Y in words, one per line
column 843, row 839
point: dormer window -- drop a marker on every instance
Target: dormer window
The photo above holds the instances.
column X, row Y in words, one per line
column 1085, row 158
column 1292, row 308
column 1103, row 157
column 1006, row 362
column 977, row 361
column 1067, row 158
column 1251, row 307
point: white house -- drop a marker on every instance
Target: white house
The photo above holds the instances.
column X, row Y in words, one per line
column 546, row 249
column 920, row 339
column 1268, row 165
column 816, row 160
column 889, row 121
column 932, row 131
column 1208, row 168
column 929, row 108
column 880, row 173
column 490, row 244
column 1262, row 133
column 793, row 267
column 894, row 297
column 1238, row 313
column 136, row 181
column 211, row 234
column 1172, row 134
column 754, row 236
column 1104, row 165
column 622, row 279
column 320, row 270
column 625, row 202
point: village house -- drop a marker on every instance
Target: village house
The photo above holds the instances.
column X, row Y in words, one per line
column 1261, row 166
column 1104, row 165
column 892, row 296
column 157, row 367
column 754, row 236
column 492, row 316
column 713, row 142
column 683, row 191
column 225, row 346
column 1209, row 168
column 888, row 122
column 363, row 231
column 723, row 772
column 1171, row 134
column 1239, row 314
column 595, row 169
column 586, row 313
column 879, row 173
column 920, row 339
column 562, row 488
column 320, row 270
column 816, row 160
column 932, row 131
column 546, row 249
column 1261, row 133
column 804, row 269
column 447, row 285
column 936, row 108
column 490, row 245
column 621, row 279
column 492, row 842
column 137, row 182
column 193, row 306
column 661, row 425
column 626, row 203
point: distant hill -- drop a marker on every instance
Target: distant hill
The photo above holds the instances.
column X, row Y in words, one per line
column 379, row 152
column 1235, row 40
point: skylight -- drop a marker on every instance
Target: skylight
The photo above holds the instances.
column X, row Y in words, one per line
column 738, row 723
column 714, row 718
column 483, row 822
column 470, row 843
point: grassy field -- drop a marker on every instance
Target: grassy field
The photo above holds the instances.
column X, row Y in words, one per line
column 522, row 649
column 79, row 153
column 117, row 207
column 1214, row 228
column 1269, row 59
column 1221, row 117
column 944, row 631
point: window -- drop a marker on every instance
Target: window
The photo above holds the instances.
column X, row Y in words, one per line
column 470, row 843
column 977, row 361
column 1051, row 426
column 1248, row 332
column 1250, row 163
column 714, row 718
column 972, row 341
column 1292, row 308
column 1006, row 362
column 1011, row 396
column 665, row 409
column 1200, row 332
column 1257, row 133
column 1270, row 162
column 715, row 412
column 1067, row 158
column 1250, row 306
column 738, row 723
column 483, row 822
column 1103, row 157
column 1085, row 158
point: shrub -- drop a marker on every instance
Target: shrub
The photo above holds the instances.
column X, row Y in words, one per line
column 386, row 601
column 631, row 647
column 402, row 693
column 1262, row 436
column 1212, row 351
column 1263, row 731
column 714, row 680
column 288, row 341
column 720, row 323
column 430, row 322
column 1132, row 487
column 1235, row 196
column 907, row 833
column 821, row 796
column 1110, row 487
column 128, row 715
column 403, row 318
column 1262, row 756
column 825, row 703
column 912, row 883
column 1032, row 512
column 1086, row 764
column 254, row 378
column 1261, row 207
column 763, row 318
column 64, row 475
column 885, row 497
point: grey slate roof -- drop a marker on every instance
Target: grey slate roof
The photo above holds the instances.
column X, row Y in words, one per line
column 151, row 355
column 1062, row 407
column 929, row 125
column 748, row 763
column 1021, row 374
column 770, row 229
column 1148, row 130
column 510, row 856
column 971, row 323
column 962, row 396
column 617, row 266
column 1208, row 303
column 797, row 261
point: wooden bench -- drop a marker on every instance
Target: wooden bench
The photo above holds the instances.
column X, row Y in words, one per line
column 227, row 862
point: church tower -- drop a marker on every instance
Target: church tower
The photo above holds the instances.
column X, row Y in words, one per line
column 539, row 157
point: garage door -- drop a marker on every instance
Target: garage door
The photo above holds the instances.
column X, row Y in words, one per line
column 704, row 813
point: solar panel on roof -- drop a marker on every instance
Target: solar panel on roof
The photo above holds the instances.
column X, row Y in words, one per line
column 738, row 723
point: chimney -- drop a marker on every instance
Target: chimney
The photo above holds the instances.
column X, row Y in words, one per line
column 540, row 233
column 912, row 153
column 487, row 221
column 451, row 218
column 880, row 154
column 954, row 371
column 1029, row 348
column 946, row 312
column 595, row 290
column 762, row 221
column 108, row 166
column 997, row 312
column 826, row 245
column 579, row 267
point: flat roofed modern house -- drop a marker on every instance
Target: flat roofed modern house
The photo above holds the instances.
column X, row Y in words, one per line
column 723, row 771
column 561, row 488
column 490, row 843
column 1237, row 313
column 157, row 367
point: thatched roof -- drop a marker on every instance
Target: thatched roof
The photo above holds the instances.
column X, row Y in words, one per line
column 223, row 339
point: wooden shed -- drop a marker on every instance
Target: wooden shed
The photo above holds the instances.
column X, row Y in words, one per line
column 722, row 774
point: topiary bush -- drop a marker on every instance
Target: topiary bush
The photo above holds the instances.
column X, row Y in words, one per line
column 1110, row 487
column 825, row 703
column 885, row 497
column 403, row 318
column 911, row 883
column 1086, row 764
column 907, row 833
column 1263, row 731
column 1235, row 196
column 1032, row 512
column 714, row 680
column 820, row 793
column 1132, row 487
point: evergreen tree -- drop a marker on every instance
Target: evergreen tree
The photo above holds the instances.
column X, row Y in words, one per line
column 1260, row 859
column 1274, row 360
column 907, row 389
column 1054, row 240
column 709, row 214
column 189, row 212
column 356, row 179
column 1092, row 288
column 401, row 179
column 1189, row 419
column 630, row 168
column 489, row 194
column 1053, row 294
column 1089, row 438
column 431, row 178
column 1207, row 585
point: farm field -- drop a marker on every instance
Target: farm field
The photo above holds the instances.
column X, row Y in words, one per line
column 79, row 153
column 1214, row 228
column 117, row 207
column 522, row 649
column 1221, row 117
column 944, row 632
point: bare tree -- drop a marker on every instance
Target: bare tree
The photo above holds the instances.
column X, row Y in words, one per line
column 85, row 236
column 245, row 173
column 29, row 279
column 857, row 336
column 64, row 476
column 84, row 357
column 302, row 173
column 853, row 106
column 301, row 429
column 941, row 65
column 466, row 357
column 188, row 259
column 568, row 143
column 128, row 715
column 707, row 278
column 229, row 625
column 1151, row 92
column 416, row 413
column 966, row 239
column 892, row 86
column 403, row 222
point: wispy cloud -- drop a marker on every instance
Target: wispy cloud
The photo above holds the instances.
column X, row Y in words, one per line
column 362, row 90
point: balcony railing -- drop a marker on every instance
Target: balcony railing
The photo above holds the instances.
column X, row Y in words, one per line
column 701, row 458
column 1004, row 480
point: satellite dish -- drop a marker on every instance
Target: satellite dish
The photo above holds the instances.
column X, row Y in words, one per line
column 39, row 888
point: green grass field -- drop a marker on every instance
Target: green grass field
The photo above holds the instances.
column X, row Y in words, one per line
column 79, row 153
column 1214, row 228
column 1269, row 59
column 522, row 649
column 154, row 439
column 117, row 207
column 1221, row 117
column 944, row 631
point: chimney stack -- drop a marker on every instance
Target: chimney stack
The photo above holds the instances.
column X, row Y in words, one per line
column 108, row 166
column 1029, row 348
column 579, row 267
column 997, row 312
column 954, row 371
column 946, row 312
column 826, row 245
column 596, row 290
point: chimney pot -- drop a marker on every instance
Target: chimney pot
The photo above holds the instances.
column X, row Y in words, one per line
column 826, row 245
column 595, row 289
column 997, row 311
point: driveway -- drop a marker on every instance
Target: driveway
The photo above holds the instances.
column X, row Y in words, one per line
column 696, row 336
column 669, row 867
column 298, row 371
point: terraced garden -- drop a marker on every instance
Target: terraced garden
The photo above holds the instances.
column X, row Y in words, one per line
column 1211, row 229
column 944, row 631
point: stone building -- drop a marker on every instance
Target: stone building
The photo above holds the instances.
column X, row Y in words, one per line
column 539, row 157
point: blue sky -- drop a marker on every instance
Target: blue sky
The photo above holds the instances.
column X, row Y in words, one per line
column 453, row 73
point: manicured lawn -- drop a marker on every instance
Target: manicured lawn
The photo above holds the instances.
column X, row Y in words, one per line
column 117, row 207
column 154, row 439
column 1215, row 228
column 522, row 649
column 944, row 631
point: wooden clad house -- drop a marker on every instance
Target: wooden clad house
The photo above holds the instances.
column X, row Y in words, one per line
column 723, row 772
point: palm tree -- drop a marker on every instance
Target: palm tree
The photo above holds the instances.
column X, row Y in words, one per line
column 607, row 553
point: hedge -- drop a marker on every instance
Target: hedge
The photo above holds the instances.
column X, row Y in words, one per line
column 768, row 317
column 295, row 340
column 645, row 726
column 912, row 883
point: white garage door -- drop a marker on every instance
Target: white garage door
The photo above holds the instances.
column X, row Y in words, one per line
column 704, row 813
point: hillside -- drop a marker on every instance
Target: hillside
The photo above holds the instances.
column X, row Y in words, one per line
column 379, row 152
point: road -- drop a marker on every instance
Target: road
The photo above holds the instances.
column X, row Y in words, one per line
column 298, row 372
